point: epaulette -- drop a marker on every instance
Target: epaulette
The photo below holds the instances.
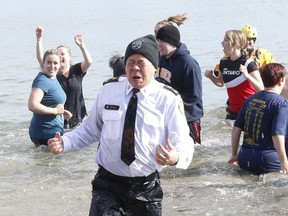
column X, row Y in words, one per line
column 171, row 89
column 113, row 79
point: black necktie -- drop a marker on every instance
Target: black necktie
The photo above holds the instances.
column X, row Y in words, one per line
column 127, row 148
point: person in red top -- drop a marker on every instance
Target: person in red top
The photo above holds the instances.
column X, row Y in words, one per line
column 237, row 72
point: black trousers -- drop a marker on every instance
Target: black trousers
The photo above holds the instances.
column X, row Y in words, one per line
column 116, row 195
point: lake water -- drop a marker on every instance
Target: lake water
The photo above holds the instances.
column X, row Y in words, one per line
column 35, row 182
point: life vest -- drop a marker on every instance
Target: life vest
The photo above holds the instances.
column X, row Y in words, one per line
column 261, row 56
column 216, row 69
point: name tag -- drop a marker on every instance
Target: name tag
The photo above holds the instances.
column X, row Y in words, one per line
column 111, row 107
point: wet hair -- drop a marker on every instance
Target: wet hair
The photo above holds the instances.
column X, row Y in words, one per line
column 237, row 38
column 178, row 20
column 272, row 73
column 52, row 52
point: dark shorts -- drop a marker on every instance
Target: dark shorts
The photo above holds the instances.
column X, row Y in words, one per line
column 258, row 161
column 195, row 131
column 117, row 195
column 231, row 115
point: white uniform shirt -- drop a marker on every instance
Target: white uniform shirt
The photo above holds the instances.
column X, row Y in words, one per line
column 160, row 115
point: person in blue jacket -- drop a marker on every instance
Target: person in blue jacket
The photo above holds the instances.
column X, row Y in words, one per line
column 178, row 69
column 264, row 122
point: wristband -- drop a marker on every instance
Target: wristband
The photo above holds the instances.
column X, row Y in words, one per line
column 55, row 111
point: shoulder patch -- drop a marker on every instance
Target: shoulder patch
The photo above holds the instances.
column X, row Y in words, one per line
column 171, row 89
column 113, row 79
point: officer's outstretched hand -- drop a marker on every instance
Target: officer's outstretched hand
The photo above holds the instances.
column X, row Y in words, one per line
column 55, row 144
column 167, row 156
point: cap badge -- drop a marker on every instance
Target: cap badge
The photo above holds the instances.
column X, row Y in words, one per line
column 136, row 45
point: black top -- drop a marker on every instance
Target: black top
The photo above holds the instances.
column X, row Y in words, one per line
column 72, row 85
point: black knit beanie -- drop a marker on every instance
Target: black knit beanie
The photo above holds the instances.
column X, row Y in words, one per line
column 169, row 34
column 146, row 46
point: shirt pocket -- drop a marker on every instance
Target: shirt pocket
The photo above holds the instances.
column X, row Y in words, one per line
column 112, row 124
column 153, row 127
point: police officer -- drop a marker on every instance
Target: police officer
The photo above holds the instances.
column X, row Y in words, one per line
column 160, row 137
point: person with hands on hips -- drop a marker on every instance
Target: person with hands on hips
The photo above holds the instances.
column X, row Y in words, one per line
column 46, row 101
column 135, row 147
column 264, row 122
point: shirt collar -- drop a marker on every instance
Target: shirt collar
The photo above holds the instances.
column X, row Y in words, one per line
column 129, row 88
column 144, row 91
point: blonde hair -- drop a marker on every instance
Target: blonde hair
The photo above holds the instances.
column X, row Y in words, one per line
column 66, row 47
column 52, row 52
column 68, row 50
column 237, row 38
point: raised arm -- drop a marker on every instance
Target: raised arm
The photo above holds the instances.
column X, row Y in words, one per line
column 39, row 46
column 85, row 64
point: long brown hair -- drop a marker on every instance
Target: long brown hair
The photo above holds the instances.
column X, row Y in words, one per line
column 177, row 19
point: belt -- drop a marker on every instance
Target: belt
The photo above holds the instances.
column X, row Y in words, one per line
column 102, row 172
